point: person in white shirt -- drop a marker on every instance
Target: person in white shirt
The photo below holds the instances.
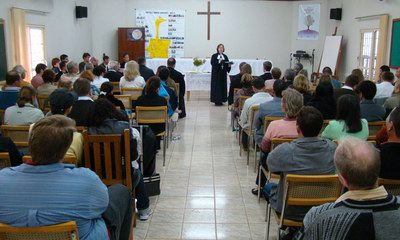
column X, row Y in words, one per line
column 385, row 88
column 132, row 78
column 24, row 112
column 99, row 72
column 260, row 96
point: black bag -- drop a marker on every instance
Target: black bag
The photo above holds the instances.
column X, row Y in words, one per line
column 152, row 185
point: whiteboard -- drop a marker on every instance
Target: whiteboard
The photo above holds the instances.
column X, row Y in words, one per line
column 330, row 55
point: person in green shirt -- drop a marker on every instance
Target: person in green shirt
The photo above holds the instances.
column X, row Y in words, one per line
column 348, row 120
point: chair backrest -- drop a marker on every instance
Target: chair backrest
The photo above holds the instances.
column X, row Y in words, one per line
column 109, row 157
column 63, row 231
column 277, row 141
column 268, row 120
column 116, row 88
column 43, row 101
column 242, row 99
column 8, row 98
column 392, row 186
column 151, row 115
column 2, row 112
column 135, row 93
column 80, row 129
column 126, row 100
column 269, row 90
column 252, row 114
column 4, row 160
column 375, row 127
column 18, row 134
column 68, row 159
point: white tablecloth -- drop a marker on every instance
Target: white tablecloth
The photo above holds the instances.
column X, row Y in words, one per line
column 184, row 65
column 198, row 81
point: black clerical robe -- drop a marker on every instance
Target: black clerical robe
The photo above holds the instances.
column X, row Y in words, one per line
column 219, row 72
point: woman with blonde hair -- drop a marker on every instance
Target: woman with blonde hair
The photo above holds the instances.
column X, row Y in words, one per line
column 301, row 84
column 132, row 78
column 25, row 112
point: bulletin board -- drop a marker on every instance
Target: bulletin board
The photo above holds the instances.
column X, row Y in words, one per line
column 395, row 45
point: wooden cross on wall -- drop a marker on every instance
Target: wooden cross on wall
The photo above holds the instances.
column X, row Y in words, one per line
column 208, row 13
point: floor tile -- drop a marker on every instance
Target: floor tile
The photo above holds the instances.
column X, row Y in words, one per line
column 198, row 231
column 164, row 230
column 199, row 216
column 233, row 231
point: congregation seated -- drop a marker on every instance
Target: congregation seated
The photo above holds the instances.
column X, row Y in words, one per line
column 150, row 98
column 267, row 65
column 165, row 91
column 73, row 70
column 113, row 73
column 37, row 80
column 323, row 99
column 88, row 74
column 393, row 101
column 8, row 146
column 99, row 78
column 179, row 78
column 131, row 78
column 276, row 75
column 365, row 211
column 125, row 60
column 86, row 59
column 385, row 88
column 308, row 155
column 65, row 83
column 22, row 73
column 24, row 112
column 55, row 65
column 292, row 103
column 10, row 91
column 302, row 85
column 246, row 90
column 390, row 150
column 357, row 72
column 66, row 193
column 271, row 108
column 106, row 61
column 61, row 102
column 170, row 82
column 48, row 78
column 289, row 76
column 336, row 83
column 369, row 109
column 104, row 118
column 348, row 120
column 80, row 108
column 107, row 92
column 236, row 81
column 145, row 72
column 350, row 84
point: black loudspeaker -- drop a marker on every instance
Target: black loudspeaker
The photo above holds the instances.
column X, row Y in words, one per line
column 81, row 12
column 336, row 13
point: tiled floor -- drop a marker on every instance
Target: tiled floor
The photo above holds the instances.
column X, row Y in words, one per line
column 205, row 185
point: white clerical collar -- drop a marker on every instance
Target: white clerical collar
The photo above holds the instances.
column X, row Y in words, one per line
column 347, row 87
column 84, row 98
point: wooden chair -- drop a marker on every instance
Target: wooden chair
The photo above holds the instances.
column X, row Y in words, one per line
column 235, row 90
column 135, row 93
column 242, row 99
column 304, row 190
column 274, row 143
column 18, row 134
column 5, row 160
column 392, row 186
column 44, row 103
column 154, row 115
column 126, row 100
column 68, row 159
column 63, row 231
column 116, row 89
column 270, row 91
column 268, row 120
column 80, row 129
column 2, row 112
column 106, row 156
column 250, row 132
column 375, row 127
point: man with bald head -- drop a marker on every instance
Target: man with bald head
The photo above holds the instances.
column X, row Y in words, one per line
column 365, row 211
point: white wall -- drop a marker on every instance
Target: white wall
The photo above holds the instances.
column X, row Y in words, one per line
column 248, row 29
column 350, row 28
column 63, row 32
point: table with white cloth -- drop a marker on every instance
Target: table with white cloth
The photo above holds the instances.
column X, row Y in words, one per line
column 184, row 65
column 198, row 81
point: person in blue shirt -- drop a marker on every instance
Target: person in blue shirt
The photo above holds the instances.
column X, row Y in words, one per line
column 44, row 191
column 163, row 74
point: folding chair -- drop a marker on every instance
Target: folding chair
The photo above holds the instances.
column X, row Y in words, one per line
column 305, row 191
column 274, row 143
column 154, row 115
column 268, row 120
column 391, row 185
column 18, row 134
column 4, row 160
column 135, row 93
column 250, row 131
column 63, row 231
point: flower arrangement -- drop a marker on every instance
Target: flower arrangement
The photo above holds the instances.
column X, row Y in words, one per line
column 198, row 61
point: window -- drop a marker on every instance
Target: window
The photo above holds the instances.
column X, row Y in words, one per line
column 36, row 47
column 368, row 53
